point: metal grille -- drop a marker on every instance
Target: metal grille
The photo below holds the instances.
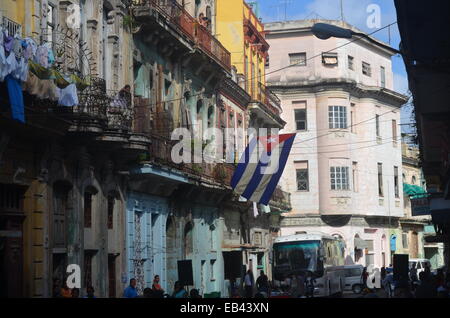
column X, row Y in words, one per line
column 138, row 260
column 11, row 26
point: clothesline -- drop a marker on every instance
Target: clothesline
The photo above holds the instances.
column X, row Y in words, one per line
column 26, row 66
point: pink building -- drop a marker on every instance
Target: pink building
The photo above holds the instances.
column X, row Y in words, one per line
column 344, row 172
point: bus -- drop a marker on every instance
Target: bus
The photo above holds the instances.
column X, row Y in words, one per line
column 320, row 255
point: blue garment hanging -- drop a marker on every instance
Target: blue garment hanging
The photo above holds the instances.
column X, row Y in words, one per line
column 16, row 98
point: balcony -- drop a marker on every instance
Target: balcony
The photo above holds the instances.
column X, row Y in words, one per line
column 268, row 99
column 98, row 110
column 281, row 200
column 265, row 108
column 157, row 127
column 186, row 25
column 11, row 26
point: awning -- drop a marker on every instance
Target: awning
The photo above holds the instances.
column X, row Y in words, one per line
column 360, row 244
column 413, row 190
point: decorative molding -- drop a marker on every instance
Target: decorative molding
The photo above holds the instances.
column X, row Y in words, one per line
column 352, row 87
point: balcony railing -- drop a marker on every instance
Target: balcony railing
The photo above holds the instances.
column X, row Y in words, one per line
column 160, row 153
column 268, row 99
column 189, row 26
column 281, row 199
column 158, row 126
column 110, row 110
column 11, row 26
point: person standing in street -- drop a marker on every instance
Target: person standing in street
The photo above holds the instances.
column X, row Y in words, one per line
column 413, row 273
column 66, row 292
column 130, row 291
column 364, row 277
column 249, row 282
column 179, row 291
column 90, row 292
column 262, row 283
column 156, row 286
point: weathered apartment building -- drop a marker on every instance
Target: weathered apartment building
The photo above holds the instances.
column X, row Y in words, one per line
column 344, row 171
column 86, row 172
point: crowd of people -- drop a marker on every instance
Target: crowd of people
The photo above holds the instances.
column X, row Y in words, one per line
column 423, row 285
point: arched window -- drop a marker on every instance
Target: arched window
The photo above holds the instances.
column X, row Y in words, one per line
column 209, row 17
column 188, row 239
column 404, row 178
column 413, row 180
column 88, row 204
column 211, row 116
column 60, row 210
column 112, row 199
column 199, row 106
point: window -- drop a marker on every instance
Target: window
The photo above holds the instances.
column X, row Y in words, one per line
column 337, row 117
column 60, row 209
column 297, row 59
column 396, row 184
column 405, row 239
column 253, row 78
column 350, row 63
column 394, row 131
column 51, row 23
column 330, row 59
column 366, row 70
column 380, row 179
column 87, row 209
column 404, row 178
column 383, row 76
column 88, row 268
column 111, row 203
column 300, row 119
column 369, row 246
column 352, row 118
column 302, row 175
column 377, row 125
column 212, row 263
column 339, row 178
column 247, row 75
column 413, row 180
column 355, row 176
column 257, row 238
column 301, row 115
column 112, row 275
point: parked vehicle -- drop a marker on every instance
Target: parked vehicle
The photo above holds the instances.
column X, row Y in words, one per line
column 353, row 279
column 316, row 254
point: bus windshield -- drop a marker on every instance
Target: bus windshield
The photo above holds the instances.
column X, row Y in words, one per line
column 294, row 256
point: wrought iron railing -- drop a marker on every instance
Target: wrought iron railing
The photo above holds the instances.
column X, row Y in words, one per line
column 281, row 199
column 109, row 110
column 11, row 26
column 268, row 99
column 189, row 26
column 158, row 127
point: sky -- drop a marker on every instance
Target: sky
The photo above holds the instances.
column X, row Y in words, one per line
column 355, row 13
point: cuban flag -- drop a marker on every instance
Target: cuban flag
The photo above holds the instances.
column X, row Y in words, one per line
column 261, row 167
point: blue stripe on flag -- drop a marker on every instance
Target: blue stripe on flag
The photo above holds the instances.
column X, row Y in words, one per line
column 256, row 178
column 265, row 199
column 242, row 165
